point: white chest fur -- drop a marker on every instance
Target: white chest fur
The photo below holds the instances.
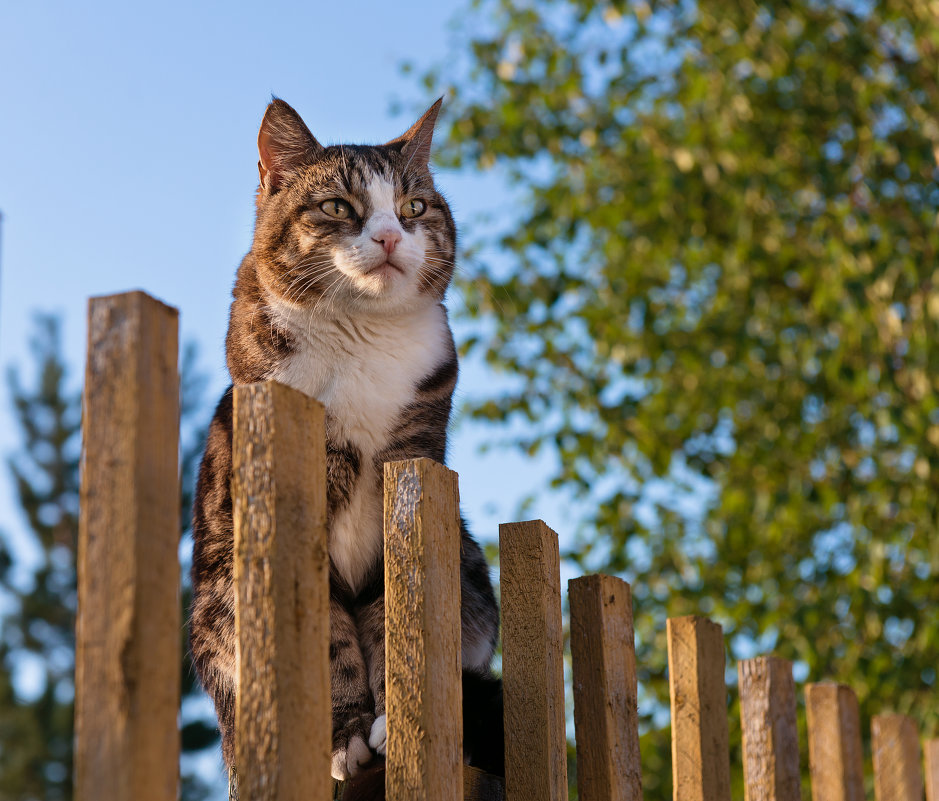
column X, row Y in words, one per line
column 365, row 371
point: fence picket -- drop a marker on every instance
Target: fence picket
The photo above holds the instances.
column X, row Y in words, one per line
column 127, row 636
column 931, row 748
column 897, row 765
column 532, row 663
column 700, row 750
column 606, row 718
column 283, row 713
column 836, row 761
column 770, row 736
column 422, row 632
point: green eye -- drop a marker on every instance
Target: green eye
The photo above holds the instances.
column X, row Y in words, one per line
column 336, row 208
column 413, row 208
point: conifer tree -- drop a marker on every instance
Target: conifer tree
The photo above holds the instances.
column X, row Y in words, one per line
column 39, row 631
column 38, row 582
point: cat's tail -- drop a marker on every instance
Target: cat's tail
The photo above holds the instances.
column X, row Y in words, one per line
column 369, row 785
column 483, row 730
column 483, row 737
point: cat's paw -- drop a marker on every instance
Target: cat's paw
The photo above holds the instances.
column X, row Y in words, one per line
column 350, row 748
column 349, row 760
column 378, row 739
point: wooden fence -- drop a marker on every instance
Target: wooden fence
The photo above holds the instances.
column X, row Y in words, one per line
column 128, row 634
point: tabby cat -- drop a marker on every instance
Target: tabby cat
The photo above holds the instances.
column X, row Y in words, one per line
column 340, row 297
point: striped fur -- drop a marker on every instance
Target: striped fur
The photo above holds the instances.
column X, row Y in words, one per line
column 348, row 309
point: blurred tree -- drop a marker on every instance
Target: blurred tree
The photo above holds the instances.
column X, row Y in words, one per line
column 717, row 298
column 38, row 629
column 199, row 733
column 37, row 642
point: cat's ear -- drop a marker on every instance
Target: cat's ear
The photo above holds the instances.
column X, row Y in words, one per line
column 418, row 137
column 285, row 145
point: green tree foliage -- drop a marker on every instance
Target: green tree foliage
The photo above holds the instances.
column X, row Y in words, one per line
column 39, row 604
column 720, row 289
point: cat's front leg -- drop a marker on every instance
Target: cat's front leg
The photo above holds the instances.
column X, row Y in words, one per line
column 351, row 700
column 370, row 619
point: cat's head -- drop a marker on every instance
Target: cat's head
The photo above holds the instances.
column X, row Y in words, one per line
column 350, row 228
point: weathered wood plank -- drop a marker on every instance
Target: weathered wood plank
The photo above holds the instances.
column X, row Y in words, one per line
column 897, row 764
column 283, row 712
column 700, row 752
column 836, row 759
column 532, row 663
column 604, row 676
column 770, row 735
column 422, row 633
column 931, row 747
column 127, row 635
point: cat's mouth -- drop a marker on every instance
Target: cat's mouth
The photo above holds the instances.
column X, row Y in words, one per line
column 386, row 269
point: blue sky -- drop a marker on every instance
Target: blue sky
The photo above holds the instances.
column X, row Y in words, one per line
column 128, row 160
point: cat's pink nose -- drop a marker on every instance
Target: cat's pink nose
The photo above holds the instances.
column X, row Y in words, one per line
column 387, row 238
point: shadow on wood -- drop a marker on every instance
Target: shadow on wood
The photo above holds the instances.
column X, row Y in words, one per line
column 370, row 786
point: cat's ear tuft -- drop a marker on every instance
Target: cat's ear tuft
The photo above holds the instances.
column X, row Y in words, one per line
column 418, row 137
column 285, row 145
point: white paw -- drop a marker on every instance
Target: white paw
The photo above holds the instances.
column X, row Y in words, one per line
column 337, row 766
column 379, row 736
column 347, row 761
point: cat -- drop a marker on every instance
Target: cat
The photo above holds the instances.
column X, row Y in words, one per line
column 340, row 297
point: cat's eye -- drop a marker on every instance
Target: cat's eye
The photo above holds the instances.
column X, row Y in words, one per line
column 336, row 208
column 413, row 208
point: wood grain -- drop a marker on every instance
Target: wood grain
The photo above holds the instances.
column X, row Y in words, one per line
column 931, row 761
column 770, row 735
column 127, row 679
column 532, row 663
column 836, row 760
column 700, row 755
column 897, row 765
column 422, row 633
column 604, row 681
column 283, row 712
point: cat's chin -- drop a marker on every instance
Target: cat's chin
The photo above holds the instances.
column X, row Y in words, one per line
column 382, row 275
column 385, row 279
column 387, row 304
column 384, row 288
